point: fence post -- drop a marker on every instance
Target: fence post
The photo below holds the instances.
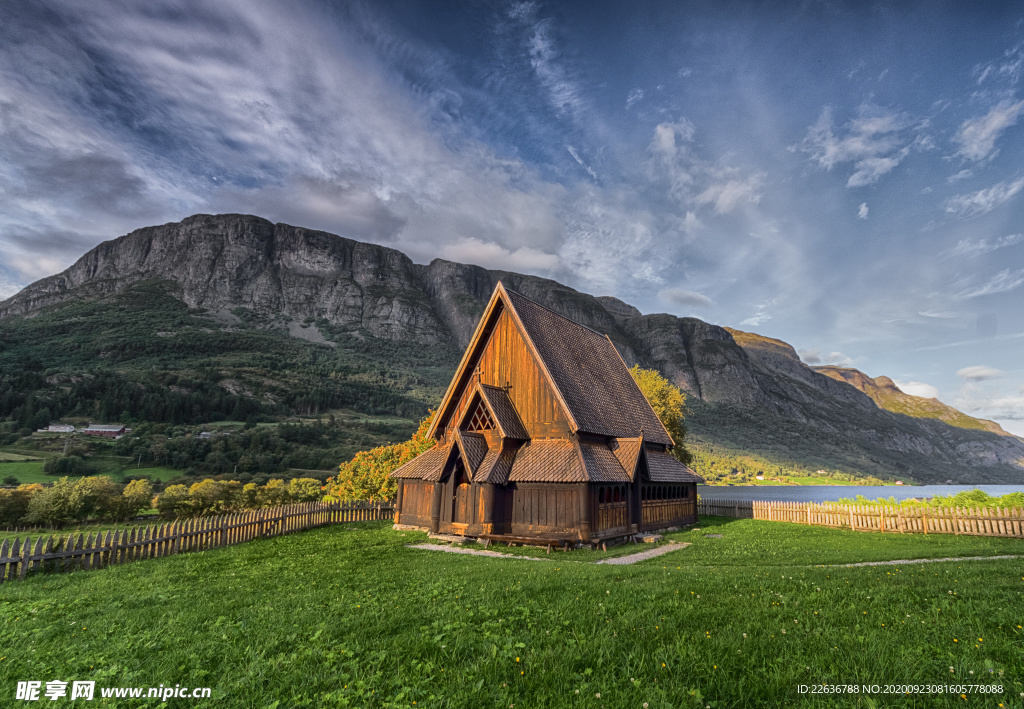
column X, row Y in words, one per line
column 26, row 555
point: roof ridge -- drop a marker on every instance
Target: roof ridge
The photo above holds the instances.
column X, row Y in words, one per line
column 555, row 312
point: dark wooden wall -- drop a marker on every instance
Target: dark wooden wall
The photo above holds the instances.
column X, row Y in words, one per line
column 667, row 505
column 416, row 498
column 543, row 509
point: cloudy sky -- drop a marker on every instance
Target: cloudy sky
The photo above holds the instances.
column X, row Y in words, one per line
column 847, row 178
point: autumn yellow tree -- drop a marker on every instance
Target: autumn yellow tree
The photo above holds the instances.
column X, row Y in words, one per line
column 669, row 402
column 366, row 477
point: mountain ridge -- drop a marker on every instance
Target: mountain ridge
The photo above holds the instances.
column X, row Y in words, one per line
column 234, row 266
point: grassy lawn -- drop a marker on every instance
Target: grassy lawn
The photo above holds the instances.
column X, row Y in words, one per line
column 29, row 471
column 347, row 616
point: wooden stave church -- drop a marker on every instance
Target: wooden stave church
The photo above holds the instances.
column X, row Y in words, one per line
column 543, row 436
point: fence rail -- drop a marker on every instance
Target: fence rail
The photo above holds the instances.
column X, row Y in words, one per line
column 71, row 552
column 979, row 521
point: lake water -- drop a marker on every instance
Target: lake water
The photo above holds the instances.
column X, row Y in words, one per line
column 831, row 493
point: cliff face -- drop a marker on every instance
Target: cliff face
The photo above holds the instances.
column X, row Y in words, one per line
column 225, row 262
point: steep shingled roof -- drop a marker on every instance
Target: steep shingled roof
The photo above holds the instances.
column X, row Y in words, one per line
column 504, row 412
column 627, row 450
column 664, row 468
column 426, row 465
column 602, row 465
column 548, row 460
column 588, row 372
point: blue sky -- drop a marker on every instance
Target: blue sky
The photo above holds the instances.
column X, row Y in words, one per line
column 843, row 176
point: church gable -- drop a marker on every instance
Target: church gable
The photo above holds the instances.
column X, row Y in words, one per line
column 513, row 383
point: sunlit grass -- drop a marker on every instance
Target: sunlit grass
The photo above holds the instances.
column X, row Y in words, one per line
column 348, row 616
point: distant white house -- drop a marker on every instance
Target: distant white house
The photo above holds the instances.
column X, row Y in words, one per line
column 58, row 428
column 760, row 477
column 899, row 482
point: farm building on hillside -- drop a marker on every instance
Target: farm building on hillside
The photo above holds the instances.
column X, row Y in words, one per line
column 113, row 431
column 543, row 436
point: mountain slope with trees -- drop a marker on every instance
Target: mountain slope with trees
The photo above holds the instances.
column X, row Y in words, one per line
column 232, row 316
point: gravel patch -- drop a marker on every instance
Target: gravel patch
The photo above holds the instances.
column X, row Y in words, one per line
column 641, row 555
column 926, row 561
column 474, row 552
column 619, row 560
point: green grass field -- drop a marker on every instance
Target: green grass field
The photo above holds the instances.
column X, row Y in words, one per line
column 32, row 472
column 348, row 616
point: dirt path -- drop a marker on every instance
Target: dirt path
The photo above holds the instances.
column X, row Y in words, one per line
column 618, row 560
column 926, row 561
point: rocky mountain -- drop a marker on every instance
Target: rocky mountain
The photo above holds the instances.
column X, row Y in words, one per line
column 884, row 392
column 747, row 392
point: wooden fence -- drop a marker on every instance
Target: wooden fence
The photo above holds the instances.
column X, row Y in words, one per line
column 57, row 553
column 982, row 521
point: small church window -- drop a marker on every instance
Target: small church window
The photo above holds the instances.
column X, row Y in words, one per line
column 481, row 420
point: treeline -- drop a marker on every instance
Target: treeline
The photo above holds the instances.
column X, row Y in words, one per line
column 211, row 497
column 32, row 402
column 721, row 465
column 100, row 499
column 968, row 498
column 66, row 501
column 142, row 355
column 316, row 445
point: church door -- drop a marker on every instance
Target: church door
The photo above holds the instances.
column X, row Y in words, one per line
column 461, row 507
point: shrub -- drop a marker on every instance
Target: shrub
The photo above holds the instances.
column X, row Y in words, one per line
column 71, row 465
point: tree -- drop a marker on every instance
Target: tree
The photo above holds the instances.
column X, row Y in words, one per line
column 97, row 496
column 14, row 503
column 366, row 477
column 136, row 497
column 669, row 403
column 174, row 502
column 56, row 505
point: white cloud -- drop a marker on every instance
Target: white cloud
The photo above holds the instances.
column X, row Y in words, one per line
column 869, row 170
column 926, row 391
column 756, row 320
column 875, row 143
column 991, row 402
column 1009, row 68
column 634, row 96
column 729, row 194
column 982, row 201
column 962, row 175
column 1005, row 280
column 966, row 247
column 578, row 159
column 862, row 210
column 698, row 182
column 977, row 136
column 491, row 255
column 680, row 296
column 978, row 373
column 814, row 357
